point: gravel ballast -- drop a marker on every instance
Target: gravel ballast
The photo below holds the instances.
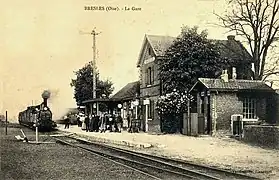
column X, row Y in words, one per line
column 20, row 160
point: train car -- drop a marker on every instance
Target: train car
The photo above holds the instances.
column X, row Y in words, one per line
column 39, row 114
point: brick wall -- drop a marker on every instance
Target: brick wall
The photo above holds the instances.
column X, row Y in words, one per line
column 227, row 104
column 275, row 118
column 267, row 136
column 261, row 109
column 152, row 92
column 155, row 77
column 154, row 123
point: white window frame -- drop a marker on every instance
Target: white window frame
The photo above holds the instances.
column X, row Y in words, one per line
column 250, row 109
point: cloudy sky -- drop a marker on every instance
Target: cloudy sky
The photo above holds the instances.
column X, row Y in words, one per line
column 41, row 44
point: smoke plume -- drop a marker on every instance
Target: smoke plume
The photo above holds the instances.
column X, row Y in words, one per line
column 46, row 94
column 57, row 103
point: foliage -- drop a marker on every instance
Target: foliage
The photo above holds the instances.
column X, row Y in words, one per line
column 258, row 23
column 171, row 107
column 83, row 85
column 191, row 56
column 172, row 103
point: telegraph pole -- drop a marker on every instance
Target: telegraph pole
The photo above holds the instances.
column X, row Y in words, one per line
column 94, row 34
column 94, row 68
column 6, row 124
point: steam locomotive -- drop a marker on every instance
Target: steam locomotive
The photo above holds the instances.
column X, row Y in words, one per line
column 39, row 115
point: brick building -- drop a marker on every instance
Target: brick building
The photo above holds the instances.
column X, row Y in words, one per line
column 153, row 49
column 218, row 99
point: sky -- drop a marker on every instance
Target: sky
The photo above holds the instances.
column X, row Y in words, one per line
column 43, row 42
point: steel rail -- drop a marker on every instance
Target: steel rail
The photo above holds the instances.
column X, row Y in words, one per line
column 171, row 169
column 212, row 170
column 167, row 161
column 133, row 162
column 102, row 156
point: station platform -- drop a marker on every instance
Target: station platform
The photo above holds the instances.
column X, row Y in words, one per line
column 124, row 138
column 219, row 152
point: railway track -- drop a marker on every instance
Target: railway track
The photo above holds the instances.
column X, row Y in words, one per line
column 154, row 166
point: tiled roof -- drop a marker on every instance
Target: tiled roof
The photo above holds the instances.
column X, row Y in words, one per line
column 231, row 49
column 160, row 43
column 234, row 84
column 128, row 92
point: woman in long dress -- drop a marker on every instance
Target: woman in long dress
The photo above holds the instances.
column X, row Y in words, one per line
column 102, row 123
column 83, row 125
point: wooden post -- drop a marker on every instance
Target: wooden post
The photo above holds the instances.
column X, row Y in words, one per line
column 205, row 107
column 214, row 116
column 146, row 117
column 6, row 128
column 37, row 135
column 136, row 112
column 188, row 117
column 97, row 108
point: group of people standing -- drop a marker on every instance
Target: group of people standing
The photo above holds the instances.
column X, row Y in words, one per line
column 102, row 123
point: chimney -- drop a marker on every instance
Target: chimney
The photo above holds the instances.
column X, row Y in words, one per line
column 231, row 37
column 45, row 102
column 234, row 73
column 225, row 76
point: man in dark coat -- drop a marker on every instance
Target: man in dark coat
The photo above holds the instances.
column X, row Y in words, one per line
column 86, row 121
column 110, row 118
column 67, row 122
column 119, row 122
column 129, row 122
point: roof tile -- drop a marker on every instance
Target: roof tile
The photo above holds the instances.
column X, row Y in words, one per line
column 230, row 49
column 160, row 43
column 234, row 84
column 128, row 92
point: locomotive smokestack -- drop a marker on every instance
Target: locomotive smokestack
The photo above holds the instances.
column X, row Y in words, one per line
column 45, row 96
column 45, row 102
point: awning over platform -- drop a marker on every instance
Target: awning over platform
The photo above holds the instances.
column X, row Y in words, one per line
column 127, row 93
column 100, row 100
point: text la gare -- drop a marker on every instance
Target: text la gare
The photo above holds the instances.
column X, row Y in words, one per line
column 132, row 8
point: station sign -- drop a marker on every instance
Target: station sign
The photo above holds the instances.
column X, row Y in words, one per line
column 146, row 102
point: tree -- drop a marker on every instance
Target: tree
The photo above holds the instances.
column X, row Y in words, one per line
column 257, row 21
column 83, row 85
column 191, row 56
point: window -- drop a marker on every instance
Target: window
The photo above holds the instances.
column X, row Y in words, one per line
column 149, row 76
column 249, row 108
column 150, row 110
